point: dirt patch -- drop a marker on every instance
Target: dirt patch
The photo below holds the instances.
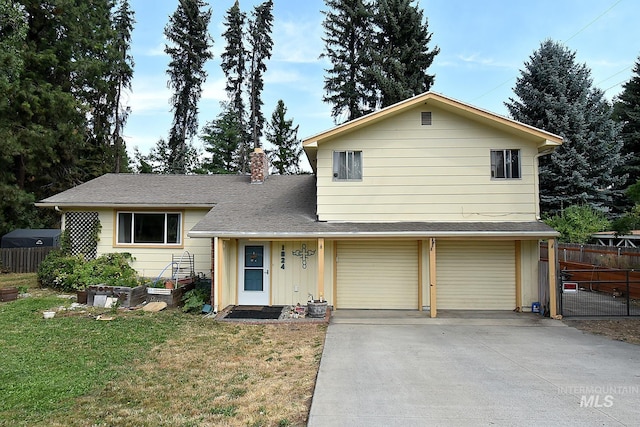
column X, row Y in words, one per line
column 623, row 329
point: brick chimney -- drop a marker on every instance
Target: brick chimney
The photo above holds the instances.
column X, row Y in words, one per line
column 259, row 166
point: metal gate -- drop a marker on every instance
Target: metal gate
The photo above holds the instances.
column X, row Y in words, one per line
column 599, row 292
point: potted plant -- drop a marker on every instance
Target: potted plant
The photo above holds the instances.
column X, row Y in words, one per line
column 316, row 308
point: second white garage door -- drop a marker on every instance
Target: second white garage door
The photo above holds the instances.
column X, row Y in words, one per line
column 476, row 275
column 377, row 274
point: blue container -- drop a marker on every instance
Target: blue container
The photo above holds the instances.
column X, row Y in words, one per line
column 535, row 307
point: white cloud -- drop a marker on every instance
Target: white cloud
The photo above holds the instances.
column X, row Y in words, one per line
column 157, row 50
column 283, row 76
column 150, row 95
column 298, row 42
column 477, row 60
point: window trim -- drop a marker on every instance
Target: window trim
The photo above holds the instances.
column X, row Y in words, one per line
column 507, row 169
column 180, row 229
column 335, row 172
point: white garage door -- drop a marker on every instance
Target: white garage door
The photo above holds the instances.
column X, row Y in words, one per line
column 476, row 275
column 377, row 275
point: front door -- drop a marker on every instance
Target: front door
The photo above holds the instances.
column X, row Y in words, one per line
column 253, row 283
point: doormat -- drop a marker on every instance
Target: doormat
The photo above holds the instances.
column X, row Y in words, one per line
column 258, row 312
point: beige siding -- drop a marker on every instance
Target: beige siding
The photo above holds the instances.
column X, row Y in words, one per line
column 293, row 283
column 377, row 274
column 284, row 282
column 530, row 257
column 475, row 275
column 149, row 262
column 427, row 173
column 228, row 289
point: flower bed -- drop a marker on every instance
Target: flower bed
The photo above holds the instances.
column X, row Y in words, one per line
column 173, row 297
column 128, row 297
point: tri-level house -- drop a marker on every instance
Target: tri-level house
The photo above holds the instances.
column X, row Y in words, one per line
column 427, row 204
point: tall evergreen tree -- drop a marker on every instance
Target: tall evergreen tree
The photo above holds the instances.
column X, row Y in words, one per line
column 16, row 203
column 555, row 93
column 234, row 66
column 54, row 127
column 158, row 160
column 348, row 44
column 122, row 74
column 401, row 54
column 189, row 51
column 260, row 46
column 222, row 139
column 281, row 133
column 13, row 31
column 233, row 59
column 627, row 112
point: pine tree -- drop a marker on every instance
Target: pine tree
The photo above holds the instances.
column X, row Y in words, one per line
column 348, row 44
column 260, row 46
column 122, row 74
column 555, row 93
column 96, row 87
column 401, row 54
column 189, row 50
column 159, row 159
column 17, row 203
column 53, row 127
column 233, row 59
column 222, row 139
column 285, row 158
column 13, row 31
column 234, row 66
column 627, row 112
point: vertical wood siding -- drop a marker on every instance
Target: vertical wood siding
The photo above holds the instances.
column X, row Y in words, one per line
column 440, row 172
column 293, row 283
column 377, row 274
column 476, row 275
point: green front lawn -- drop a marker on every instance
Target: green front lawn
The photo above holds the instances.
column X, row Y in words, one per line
column 144, row 369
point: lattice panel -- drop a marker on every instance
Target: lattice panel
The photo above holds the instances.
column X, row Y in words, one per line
column 81, row 226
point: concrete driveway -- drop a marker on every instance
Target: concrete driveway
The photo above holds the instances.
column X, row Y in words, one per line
column 403, row 369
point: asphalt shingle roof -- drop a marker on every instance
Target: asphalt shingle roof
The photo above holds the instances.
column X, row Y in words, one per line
column 283, row 206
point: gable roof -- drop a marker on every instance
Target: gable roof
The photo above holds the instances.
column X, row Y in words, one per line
column 175, row 191
column 141, row 190
column 544, row 140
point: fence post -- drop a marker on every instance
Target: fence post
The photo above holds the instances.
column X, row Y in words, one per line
column 628, row 297
column 618, row 259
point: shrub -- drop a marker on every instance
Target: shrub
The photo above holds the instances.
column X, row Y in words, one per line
column 70, row 273
column 55, row 270
column 195, row 298
column 577, row 223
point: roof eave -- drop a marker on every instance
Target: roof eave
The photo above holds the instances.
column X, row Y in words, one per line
column 124, row 205
column 391, row 110
column 526, row 235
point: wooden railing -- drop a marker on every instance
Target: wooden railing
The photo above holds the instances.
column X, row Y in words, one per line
column 22, row 260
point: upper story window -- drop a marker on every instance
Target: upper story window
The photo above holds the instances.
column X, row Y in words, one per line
column 347, row 165
column 505, row 164
column 149, row 228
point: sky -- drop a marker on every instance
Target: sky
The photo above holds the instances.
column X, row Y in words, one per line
column 483, row 46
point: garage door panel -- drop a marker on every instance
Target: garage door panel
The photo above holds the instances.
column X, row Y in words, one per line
column 476, row 275
column 377, row 275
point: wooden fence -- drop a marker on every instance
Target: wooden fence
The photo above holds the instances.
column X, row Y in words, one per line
column 596, row 255
column 22, row 260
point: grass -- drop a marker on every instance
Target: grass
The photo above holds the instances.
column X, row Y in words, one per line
column 143, row 369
